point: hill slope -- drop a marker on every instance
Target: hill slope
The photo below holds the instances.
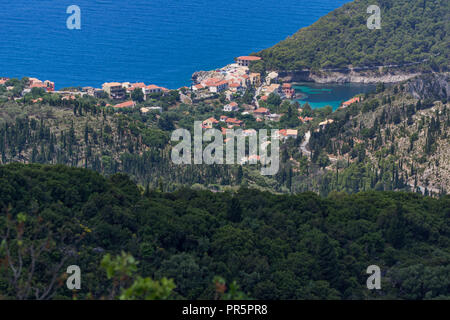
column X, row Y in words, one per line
column 397, row 139
column 275, row 246
column 412, row 31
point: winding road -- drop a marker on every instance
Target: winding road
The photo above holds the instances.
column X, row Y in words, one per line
column 305, row 143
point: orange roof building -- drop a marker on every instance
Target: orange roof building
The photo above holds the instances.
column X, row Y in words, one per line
column 133, row 86
column 244, row 61
column 198, row 87
column 261, row 111
column 128, row 104
column 351, row 101
column 209, row 123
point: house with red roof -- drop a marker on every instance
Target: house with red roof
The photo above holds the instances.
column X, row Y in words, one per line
column 152, row 89
column 233, row 122
column 3, row 80
column 261, row 112
column 244, row 61
column 198, row 87
column 47, row 85
column 38, row 85
column 132, row 86
column 233, row 106
column 288, row 90
column 217, row 87
column 209, row 123
column 127, row 104
column 115, row 90
column 235, row 86
column 210, row 81
column 351, row 101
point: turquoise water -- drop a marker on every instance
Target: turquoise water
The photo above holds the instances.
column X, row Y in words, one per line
column 154, row 41
column 321, row 95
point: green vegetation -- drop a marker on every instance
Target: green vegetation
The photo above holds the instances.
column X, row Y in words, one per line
column 128, row 220
column 411, row 31
column 362, row 150
column 388, row 141
column 274, row 246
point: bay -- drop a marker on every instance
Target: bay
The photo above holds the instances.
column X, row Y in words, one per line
column 153, row 41
column 331, row 94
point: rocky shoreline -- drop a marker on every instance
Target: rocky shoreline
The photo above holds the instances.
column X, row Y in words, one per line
column 345, row 76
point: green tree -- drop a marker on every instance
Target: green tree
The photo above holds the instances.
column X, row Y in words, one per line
column 137, row 95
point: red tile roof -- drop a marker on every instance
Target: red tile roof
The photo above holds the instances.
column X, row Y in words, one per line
column 220, row 83
column 38, row 85
column 138, row 85
column 213, row 120
column 261, row 110
column 153, row 87
column 233, row 120
column 353, row 100
column 248, row 58
column 128, row 104
column 211, row 82
column 112, row 84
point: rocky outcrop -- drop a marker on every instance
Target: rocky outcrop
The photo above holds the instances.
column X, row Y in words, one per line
column 355, row 77
column 432, row 86
column 346, row 76
column 199, row 76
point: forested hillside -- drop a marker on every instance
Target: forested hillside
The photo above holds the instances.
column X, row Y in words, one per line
column 85, row 132
column 412, row 31
column 275, row 246
column 394, row 139
column 390, row 140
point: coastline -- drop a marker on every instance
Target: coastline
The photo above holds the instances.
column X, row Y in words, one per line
column 348, row 76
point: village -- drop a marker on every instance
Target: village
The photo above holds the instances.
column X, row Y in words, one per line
column 229, row 83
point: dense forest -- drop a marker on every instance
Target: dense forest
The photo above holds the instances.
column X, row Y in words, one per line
column 268, row 246
column 84, row 182
column 412, row 32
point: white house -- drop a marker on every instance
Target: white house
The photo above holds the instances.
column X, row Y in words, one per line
column 233, row 106
column 217, row 87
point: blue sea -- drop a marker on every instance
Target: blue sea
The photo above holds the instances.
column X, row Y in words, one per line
column 321, row 95
column 158, row 42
